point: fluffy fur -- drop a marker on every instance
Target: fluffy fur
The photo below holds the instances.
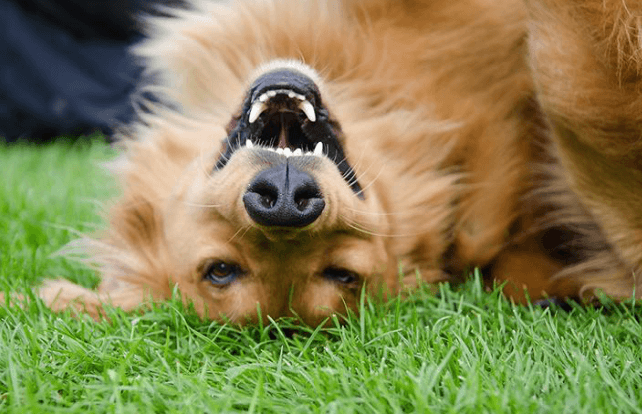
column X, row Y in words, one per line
column 492, row 134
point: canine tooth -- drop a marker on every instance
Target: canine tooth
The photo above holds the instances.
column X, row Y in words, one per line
column 318, row 149
column 249, row 144
column 297, row 152
column 256, row 110
column 308, row 109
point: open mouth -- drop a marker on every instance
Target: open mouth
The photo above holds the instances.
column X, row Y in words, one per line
column 283, row 112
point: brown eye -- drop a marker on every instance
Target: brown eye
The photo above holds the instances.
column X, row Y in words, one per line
column 222, row 273
column 340, row 275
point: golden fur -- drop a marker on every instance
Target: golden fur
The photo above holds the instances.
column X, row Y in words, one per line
column 453, row 114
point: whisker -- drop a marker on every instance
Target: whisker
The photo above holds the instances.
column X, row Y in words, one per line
column 361, row 230
column 247, row 228
column 373, row 180
column 222, row 155
column 187, row 203
column 367, row 169
column 356, row 227
column 378, row 213
column 357, row 163
column 236, row 234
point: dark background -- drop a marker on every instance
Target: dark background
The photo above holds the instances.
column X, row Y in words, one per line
column 65, row 67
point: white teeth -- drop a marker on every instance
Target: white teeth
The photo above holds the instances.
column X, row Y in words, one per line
column 290, row 93
column 287, row 152
column 318, row 150
column 256, row 110
column 261, row 104
column 308, row 109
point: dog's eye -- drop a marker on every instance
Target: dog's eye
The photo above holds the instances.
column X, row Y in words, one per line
column 340, row 275
column 222, row 273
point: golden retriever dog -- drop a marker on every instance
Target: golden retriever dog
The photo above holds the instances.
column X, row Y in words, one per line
column 307, row 150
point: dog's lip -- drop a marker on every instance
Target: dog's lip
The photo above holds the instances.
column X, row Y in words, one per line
column 309, row 91
column 290, row 81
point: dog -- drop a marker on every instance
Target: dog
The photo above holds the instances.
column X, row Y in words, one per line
column 305, row 151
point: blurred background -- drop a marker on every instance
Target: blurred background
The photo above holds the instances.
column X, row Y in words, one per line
column 65, row 67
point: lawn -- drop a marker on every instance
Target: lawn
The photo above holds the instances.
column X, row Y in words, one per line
column 463, row 350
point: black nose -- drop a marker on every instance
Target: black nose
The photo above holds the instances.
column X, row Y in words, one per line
column 283, row 196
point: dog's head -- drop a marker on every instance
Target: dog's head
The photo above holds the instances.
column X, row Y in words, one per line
column 278, row 221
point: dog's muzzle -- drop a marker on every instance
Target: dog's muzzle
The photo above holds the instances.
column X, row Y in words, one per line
column 283, row 113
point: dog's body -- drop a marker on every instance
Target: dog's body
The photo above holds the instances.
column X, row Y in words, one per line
column 437, row 156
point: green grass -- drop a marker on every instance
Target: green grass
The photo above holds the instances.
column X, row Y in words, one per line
column 463, row 350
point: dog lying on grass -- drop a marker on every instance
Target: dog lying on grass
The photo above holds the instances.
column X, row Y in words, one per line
column 318, row 148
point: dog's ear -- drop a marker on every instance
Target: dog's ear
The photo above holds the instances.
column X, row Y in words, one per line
column 131, row 261
column 133, row 253
column 136, row 225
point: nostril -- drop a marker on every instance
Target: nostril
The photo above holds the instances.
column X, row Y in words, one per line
column 302, row 197
column 267, row 193
column 268, row 201
column 302, row 203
